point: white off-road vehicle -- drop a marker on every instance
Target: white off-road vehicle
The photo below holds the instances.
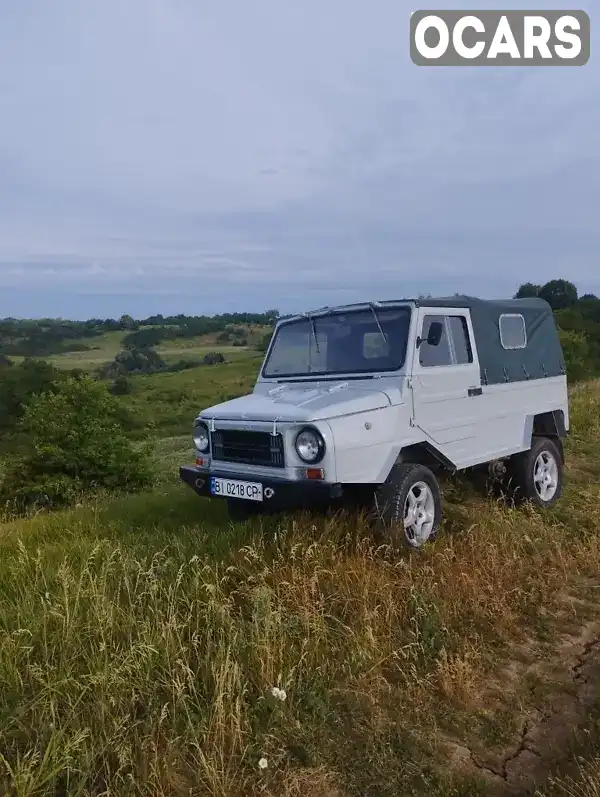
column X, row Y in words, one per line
column 371, row 401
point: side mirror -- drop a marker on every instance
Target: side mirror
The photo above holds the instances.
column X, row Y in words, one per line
column 435, row 333
column 434, row 336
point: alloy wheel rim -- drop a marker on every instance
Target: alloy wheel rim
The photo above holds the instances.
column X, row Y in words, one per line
column 419, row 514
column 545, row 476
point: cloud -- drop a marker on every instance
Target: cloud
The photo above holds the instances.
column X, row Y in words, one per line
column 242, row 154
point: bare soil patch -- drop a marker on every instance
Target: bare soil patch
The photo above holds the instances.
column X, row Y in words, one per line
column 557, row 687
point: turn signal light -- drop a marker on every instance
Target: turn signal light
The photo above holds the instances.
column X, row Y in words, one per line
column 314, row 473
column 202, row 462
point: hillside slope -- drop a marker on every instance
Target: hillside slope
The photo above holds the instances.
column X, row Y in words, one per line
column 140, row 640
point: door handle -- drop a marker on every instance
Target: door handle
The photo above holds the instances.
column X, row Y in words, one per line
column 475, row 391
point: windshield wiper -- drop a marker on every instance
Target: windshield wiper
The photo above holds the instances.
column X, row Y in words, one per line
column 372, row 306
column 313, row 326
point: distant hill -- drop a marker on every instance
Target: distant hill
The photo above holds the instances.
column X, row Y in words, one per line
column 46, row 337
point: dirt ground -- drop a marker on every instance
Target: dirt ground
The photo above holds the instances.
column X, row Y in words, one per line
column 557, row 686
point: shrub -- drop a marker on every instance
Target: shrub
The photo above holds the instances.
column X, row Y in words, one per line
column 578, row 355
column 134, row 361
column 75, row 443
column 213, row 358
column 121, row 386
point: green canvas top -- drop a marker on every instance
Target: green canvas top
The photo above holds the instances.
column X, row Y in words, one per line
column 542, row 356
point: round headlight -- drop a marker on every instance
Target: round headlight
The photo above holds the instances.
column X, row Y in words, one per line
column 201, row 437
column 310, row 445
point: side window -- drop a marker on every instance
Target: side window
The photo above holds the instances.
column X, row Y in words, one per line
column 513, row 332
column 454, row 347
column 459, row 332
column 434, row 355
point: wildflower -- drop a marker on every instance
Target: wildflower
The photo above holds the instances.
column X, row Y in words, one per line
column 278, row 693
column 263, row 763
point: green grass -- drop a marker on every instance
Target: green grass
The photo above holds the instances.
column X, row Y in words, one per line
column 103, row 349
column 171, row 401
column 196, row 352
column 140, row 637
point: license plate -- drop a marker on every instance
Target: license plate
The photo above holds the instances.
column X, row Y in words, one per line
column 232, row 488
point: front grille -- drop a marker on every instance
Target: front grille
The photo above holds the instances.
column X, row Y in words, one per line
column 248, row 448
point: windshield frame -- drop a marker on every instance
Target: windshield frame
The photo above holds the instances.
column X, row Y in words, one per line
column 357, row 373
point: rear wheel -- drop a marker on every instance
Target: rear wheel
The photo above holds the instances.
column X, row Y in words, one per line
column 538, row 473
column 409, row 505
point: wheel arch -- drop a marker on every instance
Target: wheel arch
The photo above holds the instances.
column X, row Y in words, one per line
column 424, row 453
column 548, row 424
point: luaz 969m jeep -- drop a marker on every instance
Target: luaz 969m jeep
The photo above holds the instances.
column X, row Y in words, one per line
column 371, row 401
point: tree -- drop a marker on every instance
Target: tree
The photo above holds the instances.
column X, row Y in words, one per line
column 272, row 316
column 127, row 322
column 145, row 338
column 75, row 443
column 19, row 385
column 527, row 290
column 263, row 343
column 559, row 294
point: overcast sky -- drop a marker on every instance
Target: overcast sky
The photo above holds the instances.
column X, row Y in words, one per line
column 200, row 157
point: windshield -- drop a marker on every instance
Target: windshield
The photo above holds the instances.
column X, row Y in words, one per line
column 355, row 342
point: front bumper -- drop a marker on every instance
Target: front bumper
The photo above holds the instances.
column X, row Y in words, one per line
column 277, row 493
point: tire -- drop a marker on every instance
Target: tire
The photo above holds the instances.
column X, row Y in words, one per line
column 239, row 510
column 410, row 488
column 538, row 473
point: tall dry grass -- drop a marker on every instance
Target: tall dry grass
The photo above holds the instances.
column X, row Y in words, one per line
column 586, row 783
column 129, row 667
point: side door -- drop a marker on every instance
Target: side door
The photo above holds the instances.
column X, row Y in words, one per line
column 446, row 385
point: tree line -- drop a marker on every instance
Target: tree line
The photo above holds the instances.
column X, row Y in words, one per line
column 578, row 320
column 47, row 336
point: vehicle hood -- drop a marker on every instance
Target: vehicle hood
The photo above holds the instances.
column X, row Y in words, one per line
column 304, row 403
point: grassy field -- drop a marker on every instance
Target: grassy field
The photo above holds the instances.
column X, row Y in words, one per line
column 140, row 639
column 104, row 348
column 171, row 401
column 101, row 350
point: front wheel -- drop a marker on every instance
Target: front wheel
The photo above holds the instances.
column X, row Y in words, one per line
column 538, row 473
column 409, row 505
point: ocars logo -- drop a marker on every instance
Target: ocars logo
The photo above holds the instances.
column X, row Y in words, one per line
column 500, row 38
